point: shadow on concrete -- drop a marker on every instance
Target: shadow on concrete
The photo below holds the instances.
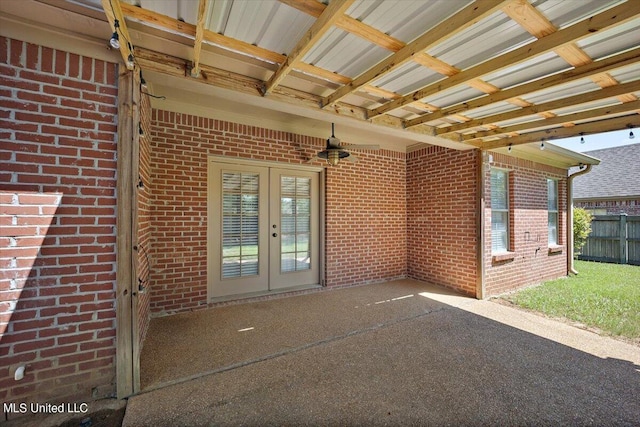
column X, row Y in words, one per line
column 375, row 355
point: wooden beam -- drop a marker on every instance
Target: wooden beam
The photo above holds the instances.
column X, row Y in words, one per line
column 592, row 96
column 585, row 28
column 369, row 33
column 462, row 20
column 197, row 44
column 124, row 238
column 173, row 66
column 598, row 113
column 335, row 10
column 605, row 65
column 113, row 12
column 155, row 19
column 590, row 128
column 529, row 18
column 350, row 25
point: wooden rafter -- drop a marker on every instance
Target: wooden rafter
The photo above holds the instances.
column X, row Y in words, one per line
column 463, row 129
column 158, row 20
column 197, row 44
column 606, row 125
column 585, row 28
column 329, row 16
column 113, row 11
column 595, row 68
column 315, row 8
column 458, row 22
column 603, row 112
column 377, row 37
column 595, row 95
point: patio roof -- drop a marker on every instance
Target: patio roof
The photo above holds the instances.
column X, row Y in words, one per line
column 456, row 73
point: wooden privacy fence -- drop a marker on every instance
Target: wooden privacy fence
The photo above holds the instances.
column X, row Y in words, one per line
column 613, row 238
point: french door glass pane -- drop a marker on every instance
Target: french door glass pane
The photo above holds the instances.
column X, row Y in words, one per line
column 239, row 224
column 295, row 220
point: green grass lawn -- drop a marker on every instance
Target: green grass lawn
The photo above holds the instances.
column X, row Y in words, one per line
column 604, row 296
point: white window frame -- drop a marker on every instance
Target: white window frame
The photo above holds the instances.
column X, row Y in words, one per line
column 554, row 233
column 506, row 210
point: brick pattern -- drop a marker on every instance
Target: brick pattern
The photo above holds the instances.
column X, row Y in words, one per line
column 442, row 215
column 365, row 205
column 612, row 207
column 532, row 262
column 57, row 210
column 366, row 219
column 144, row 237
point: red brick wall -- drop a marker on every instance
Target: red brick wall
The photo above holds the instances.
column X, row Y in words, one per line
column 366, row 219
column 57, row 211
column 532, row 262
column 612, row 207
column 144, row 237
column 441, row 217
column 365, row 208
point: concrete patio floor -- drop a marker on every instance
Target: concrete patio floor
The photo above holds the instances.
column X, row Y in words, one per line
column 397, row 353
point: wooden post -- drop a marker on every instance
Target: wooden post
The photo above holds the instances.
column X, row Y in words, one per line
column 623, row 238
column 124, row 242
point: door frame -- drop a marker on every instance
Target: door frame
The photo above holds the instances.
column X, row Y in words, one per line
column 211, row 202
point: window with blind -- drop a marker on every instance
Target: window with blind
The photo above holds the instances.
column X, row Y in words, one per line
column 499, row 211
column 239, row 224
column 552, row 197
column 295, row 218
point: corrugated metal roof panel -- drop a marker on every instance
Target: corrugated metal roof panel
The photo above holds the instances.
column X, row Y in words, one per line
column 404, row 19
column 606, row 43
column 267, row 23
column 344, row 53
column 453, row 96
column 487, row 39
column 408, row 78
column 588, row 106
column 563, row 13
column 490, row 110
column 536, row 68
column 185, row 10
column 526, row 119
column 627, row 74
column 561, row 91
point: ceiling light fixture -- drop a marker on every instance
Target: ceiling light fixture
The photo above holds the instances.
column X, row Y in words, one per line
column 333, row 157
column 510, row 147
column 130, row 60
column 115, row 39
column 581, row 138
column 631, row 135
column 542, row 145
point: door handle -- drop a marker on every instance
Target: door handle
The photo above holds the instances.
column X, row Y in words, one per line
column 275, row 234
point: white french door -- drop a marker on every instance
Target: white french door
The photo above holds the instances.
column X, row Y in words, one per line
column 263, row 229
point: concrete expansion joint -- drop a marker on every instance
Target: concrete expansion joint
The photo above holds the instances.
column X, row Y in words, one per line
column 292, row 350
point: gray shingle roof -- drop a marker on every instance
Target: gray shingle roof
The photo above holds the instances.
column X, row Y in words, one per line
column 617, row 175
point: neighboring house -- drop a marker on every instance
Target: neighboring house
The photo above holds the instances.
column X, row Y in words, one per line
column 613, row 186
column 117, row 206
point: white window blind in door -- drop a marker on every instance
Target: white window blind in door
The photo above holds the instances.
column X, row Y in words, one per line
column 240, row 207
column 295, row 218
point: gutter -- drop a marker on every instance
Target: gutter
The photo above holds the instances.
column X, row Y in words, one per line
column 570, row 254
